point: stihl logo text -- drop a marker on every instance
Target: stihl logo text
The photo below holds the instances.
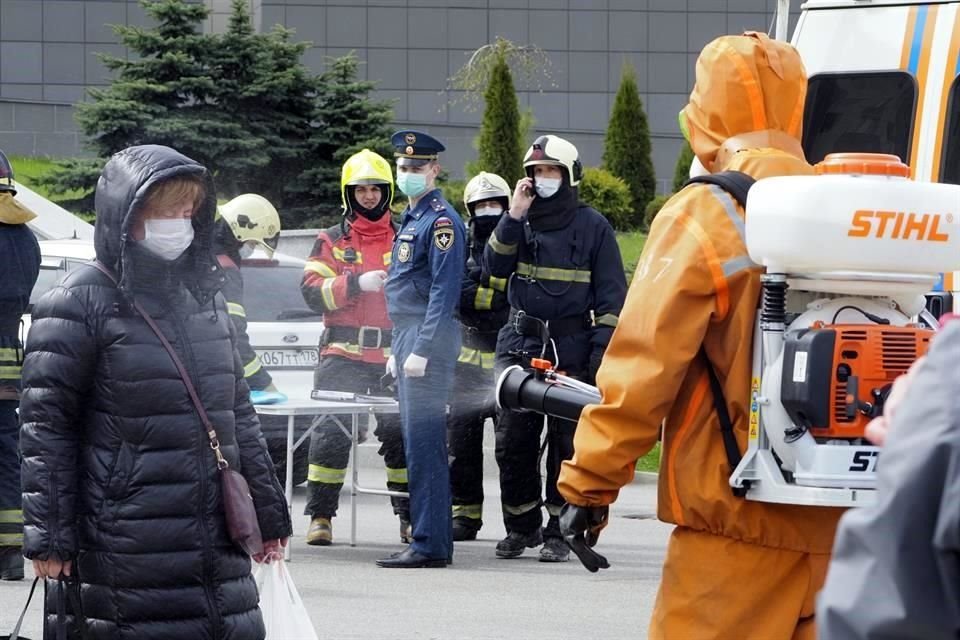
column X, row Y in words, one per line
column 899, row 225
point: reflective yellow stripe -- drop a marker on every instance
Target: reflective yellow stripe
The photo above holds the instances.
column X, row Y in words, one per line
column 251, row 367
column 387, row 259
column 501, row 248
column 235, row 309
column 553, row 273
column 608, row 319
column 477, row 358
column 11, row 516
column 345, row 346
column 521, row 509
column 484, row 299
column 553, row 510
column 10, row 373
column 472, row 511
column 398, row 476
column 11, row 539
column 315, row 266
column 9, row 354
column 498, row 284
column 339, row 254
column 326, row 290
column 325, row 475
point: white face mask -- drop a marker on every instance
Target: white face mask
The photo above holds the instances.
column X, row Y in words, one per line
column 488, row 210
column 247, row 249
column 167, row 238
column 546, row 187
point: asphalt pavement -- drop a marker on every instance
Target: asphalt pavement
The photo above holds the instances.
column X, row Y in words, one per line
column 479, row 597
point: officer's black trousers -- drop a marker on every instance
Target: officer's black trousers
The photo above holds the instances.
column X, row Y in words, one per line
column 11, row 520
column 330, row 446
column 517, row 450
column 471, row 403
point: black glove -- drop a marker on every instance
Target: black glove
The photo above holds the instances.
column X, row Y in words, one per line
column 596, row 357
column 581, row 527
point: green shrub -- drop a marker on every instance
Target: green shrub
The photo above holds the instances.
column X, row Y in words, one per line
column 653, row 208
column 453, row 193
column 626, row 147
column 681, row 171
column 609, row 195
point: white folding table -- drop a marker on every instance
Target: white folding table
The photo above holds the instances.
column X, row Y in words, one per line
column 324, row 409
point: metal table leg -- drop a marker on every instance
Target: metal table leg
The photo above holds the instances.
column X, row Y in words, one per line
column 354, row 451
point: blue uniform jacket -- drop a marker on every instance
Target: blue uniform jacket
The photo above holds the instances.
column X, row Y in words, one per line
column 426, row 267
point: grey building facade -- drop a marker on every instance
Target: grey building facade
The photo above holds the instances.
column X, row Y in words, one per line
column 410, row 48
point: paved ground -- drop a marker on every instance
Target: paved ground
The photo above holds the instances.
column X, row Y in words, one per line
column 478, row 598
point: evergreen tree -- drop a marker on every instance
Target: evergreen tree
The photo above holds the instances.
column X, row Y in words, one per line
column 500, row 146
column 681, row 172
column 346, row 120
column 626, row 151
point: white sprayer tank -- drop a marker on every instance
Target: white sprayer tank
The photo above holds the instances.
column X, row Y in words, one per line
column 859, row 221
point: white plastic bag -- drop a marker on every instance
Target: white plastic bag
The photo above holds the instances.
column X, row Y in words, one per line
column 283, row 612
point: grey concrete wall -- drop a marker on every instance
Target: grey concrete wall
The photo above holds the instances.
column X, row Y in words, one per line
column 410, row 48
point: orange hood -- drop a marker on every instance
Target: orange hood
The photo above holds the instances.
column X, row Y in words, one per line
column 749, row 94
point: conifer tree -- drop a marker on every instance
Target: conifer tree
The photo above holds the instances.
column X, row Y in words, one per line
column 681, row 172
column 626, row 151
column 500, row 146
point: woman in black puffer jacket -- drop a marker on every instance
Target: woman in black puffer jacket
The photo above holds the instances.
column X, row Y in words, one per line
column 119, row 482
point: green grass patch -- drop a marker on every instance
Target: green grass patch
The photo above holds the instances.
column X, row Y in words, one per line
column 631, row 244
column 651, row 461
column 29, row 170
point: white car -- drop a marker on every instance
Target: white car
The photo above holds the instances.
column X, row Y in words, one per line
column 282, row 330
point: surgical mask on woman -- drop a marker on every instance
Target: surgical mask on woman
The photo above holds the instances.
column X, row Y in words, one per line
column 167, row 238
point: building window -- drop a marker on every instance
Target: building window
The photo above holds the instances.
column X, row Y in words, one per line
column 859, row 112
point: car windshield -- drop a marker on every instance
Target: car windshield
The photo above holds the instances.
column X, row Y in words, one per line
column 271, row 292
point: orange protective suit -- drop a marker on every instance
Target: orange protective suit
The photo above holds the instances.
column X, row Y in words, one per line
column 735, row 568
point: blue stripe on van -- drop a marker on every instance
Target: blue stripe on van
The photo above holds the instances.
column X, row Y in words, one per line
column 917, row 45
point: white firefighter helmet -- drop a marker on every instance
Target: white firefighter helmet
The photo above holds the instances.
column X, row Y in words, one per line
column 252, row 218
column 486, row 186
column 556, row 151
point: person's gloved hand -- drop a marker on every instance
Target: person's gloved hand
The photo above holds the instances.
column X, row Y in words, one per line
column 415, row 366
column 392, row 366
column 581, row 527
column 596, row 357
column 372, row 281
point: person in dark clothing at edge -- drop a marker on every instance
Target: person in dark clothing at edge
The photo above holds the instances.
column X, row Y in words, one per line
column 243, row 224
column 21, row 266
column 343, row 279
column 566, row 290
column 121, row 490
column 483, row 311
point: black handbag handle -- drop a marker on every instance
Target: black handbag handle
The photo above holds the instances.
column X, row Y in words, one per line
column 71, row 588
column 15, row 634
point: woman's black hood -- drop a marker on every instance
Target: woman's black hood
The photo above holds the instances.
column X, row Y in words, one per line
column 121, row 190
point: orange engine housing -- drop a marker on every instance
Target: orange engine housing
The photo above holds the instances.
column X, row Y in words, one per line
column 836, row 377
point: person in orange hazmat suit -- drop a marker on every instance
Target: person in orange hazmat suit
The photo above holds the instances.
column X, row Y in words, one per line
column 735, row 568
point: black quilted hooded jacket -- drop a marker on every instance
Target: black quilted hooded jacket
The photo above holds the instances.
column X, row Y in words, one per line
column 118, row 474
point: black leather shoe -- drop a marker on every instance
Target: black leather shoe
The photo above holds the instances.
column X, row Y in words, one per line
column 410, row 559
column 11, row 563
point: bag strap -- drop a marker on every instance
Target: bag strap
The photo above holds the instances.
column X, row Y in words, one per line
column 726, row 425
column 187, row 382
column 71, row 588
column 16, row 629
column 736, row 183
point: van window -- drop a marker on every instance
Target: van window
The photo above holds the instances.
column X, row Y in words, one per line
column 865, row 112
column 950, row 169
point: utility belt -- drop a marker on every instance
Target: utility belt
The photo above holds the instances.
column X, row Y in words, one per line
column 527, row 325
column 364, row 337
column 474, row 338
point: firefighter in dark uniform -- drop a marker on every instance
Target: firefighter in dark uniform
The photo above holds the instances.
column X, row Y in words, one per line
column 243, row 224
column 423, row 296
column 343, row 279
column 18, row 274
column 483, row 311
column 566, row 291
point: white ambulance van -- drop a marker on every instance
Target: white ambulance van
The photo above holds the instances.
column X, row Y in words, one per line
column 884, row 79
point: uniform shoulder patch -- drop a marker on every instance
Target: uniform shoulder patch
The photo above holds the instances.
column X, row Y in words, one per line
column 438, row 204
column 443, row 235
column 442, row 221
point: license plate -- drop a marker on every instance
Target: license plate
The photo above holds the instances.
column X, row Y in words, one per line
column 289, row 358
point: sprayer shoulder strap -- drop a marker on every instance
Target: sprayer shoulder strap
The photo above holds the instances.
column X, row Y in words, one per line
column 726, row 424
column 736, row 183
